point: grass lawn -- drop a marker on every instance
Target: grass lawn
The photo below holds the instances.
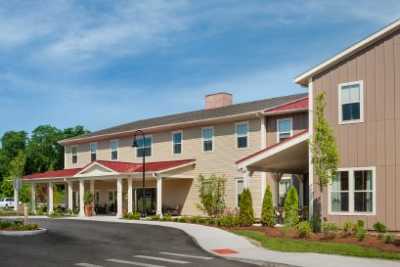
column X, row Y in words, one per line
column 296, row 245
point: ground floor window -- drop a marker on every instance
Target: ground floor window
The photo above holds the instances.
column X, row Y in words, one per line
column 284, row 184
column 239, row 190
column 353, row 191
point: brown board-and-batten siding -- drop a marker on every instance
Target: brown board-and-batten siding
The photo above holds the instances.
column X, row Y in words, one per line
column 376, row 141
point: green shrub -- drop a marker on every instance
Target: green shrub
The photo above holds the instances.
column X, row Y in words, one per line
column 202, row 220
column 132, row 216
column 183, row 219
column 246, row 213
column 348, row 228
column 17, row 226
column 194, row 219
column 304, row 229
column 167, row 218
column 212, row 194
column 229, row 221
column 380, row 227
column 291, row 207
column 329, row 230
column 388, row 238
column 267, row 214
column 360, row 233
column 88, row 198
column 211, row 221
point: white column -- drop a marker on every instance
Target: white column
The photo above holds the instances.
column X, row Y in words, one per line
column 33, row 198
column 130, row 196
column 16, row 196
column 50, row 198
column 159, row 195
column 70, row 196
column 263, row 142
column 119, row 197
column 246, row 179
column 92, row 191
column 310, row 164
column 81, row 198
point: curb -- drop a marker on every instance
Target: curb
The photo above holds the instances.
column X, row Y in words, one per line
column 23, row 233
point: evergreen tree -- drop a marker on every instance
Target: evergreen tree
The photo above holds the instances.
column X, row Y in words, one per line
column 267, row 213
column 291, row 207
column 246, row 213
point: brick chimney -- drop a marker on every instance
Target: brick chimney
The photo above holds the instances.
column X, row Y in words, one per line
column 218, row 100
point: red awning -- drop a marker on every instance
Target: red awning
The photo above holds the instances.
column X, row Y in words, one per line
column 117, row 166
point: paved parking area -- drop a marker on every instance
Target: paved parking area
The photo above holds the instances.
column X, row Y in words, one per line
column 96, row 244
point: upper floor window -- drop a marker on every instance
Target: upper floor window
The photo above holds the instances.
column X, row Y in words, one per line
column 208, row 136
column 74, row 152
column 242, row 132
column 351, row 102
column 93, row 151
column 177, row 142
column 284, row 129
column 144, row 146
column 353, row 191
column 114, row 149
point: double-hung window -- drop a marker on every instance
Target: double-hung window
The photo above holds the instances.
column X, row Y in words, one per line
column 177, row 142
column 284, row 129
column 74, row 152
column 93, row 151
column 353, row 191
column 207, row 136
column 242, row 135
column 114, row 149
column 351, row 102
column 144, row 147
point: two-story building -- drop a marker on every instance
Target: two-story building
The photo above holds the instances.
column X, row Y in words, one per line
column 177, row 148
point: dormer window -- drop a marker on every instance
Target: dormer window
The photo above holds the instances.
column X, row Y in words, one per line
column 284, row 129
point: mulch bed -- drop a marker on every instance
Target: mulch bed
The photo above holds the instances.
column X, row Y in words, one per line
column 369, row 241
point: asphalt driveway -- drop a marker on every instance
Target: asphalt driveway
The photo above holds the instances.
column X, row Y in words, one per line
column 93, row 244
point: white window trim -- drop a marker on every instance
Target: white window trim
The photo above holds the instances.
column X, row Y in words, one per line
column 351, row 193
column 247, row 135
column 212, row 139
column 111, row 149
column 151, row 146
column 72, row 155
column 277, row 127
column 172, row 142
column 340, row 113
column 90, row 150
column 237, row 189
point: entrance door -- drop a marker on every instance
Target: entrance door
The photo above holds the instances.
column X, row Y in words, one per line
column 150, row 200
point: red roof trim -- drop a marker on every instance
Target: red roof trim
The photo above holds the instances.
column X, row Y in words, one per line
column 272, row 146
column 118, row 166
column 298, row 104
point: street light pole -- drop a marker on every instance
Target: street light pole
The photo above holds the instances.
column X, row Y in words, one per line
column 135, row 144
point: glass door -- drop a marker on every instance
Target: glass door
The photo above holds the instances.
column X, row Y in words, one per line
column 150, row 200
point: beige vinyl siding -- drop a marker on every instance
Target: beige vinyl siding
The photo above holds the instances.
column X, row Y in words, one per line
column 221, row 161
column 376, row 141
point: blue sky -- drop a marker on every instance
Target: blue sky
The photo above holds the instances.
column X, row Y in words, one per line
column 101, row 63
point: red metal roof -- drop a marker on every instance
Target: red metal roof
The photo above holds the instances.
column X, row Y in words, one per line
column 53, row 174
column 118, row 166
column 299, row 104
column 272, row 146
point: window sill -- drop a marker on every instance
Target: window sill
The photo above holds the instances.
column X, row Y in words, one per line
column 352, row 213
column 350, row 122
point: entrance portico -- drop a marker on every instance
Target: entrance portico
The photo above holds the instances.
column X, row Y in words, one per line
column 116, row 186
column 286, row 162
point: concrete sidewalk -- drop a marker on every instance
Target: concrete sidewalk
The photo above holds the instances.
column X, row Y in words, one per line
column 231, row 246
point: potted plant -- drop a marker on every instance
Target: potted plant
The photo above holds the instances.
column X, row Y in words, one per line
column 88, row 200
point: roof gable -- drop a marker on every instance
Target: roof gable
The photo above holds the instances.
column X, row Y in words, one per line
column 303, row 78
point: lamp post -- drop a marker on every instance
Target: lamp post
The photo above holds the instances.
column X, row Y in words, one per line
column 135, row 144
